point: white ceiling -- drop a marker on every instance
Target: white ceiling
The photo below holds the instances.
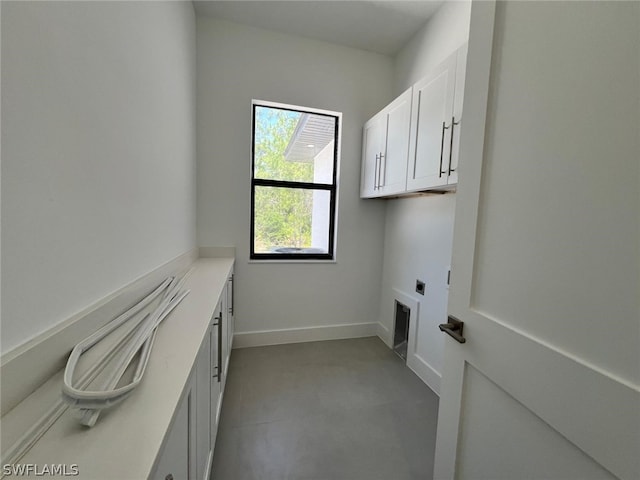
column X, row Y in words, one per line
column 377, row 26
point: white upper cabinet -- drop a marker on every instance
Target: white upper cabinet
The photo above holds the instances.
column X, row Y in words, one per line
column 461, row 67
column 386, row 149
column 393, row 161
column 431, row 124
column 371, row 148
column 412, row 144
column 435, row 126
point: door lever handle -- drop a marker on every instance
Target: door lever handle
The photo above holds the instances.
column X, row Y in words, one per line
column 454, row 329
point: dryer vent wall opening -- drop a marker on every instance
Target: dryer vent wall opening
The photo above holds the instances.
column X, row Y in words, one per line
column 401, row 330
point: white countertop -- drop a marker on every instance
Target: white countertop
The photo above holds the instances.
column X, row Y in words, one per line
column 127, row 438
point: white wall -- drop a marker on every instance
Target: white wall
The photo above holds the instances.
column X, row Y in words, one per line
column 235, row 64
column 418, row 241
column 419, row 230
column 445, row 31
column 98, row 146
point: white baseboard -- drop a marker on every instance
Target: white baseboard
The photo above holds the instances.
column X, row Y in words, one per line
column 426, row 372
column 384, row 334
column 306, row 334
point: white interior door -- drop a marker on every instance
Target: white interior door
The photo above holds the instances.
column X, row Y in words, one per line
column 545, row 269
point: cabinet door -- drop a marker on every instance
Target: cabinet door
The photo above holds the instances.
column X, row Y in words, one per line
column 175, row 461
column 432, row 114
column 224, row 332
column 397, row 119
column 230, row 308
column 203, row 410
column 461, row 67
column 372, row 136
column 216, row 372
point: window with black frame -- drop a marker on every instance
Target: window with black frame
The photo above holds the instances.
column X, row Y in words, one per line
column 294, row 173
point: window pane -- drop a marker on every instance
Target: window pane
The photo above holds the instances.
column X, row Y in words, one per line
column 291, row 220
column 293, row 146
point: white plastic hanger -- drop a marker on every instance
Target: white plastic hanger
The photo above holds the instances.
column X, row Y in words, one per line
column 136, row 316
column 141, row 339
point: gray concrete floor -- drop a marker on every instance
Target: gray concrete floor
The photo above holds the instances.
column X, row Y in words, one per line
column 333, row 410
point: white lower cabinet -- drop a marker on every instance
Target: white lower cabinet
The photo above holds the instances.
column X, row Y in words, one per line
column 217, row 370
column 188, row 450
column 204, row 448
column 175, row 461
column 230, row 314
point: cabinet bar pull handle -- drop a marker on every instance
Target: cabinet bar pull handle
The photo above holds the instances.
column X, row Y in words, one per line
column 220, row 349
column 217, row 323
column 231, row 283
column 444, row 127
column 375, row 174
column 382, row 171
column 454, row 329
column 417, row 129
column 453, row 124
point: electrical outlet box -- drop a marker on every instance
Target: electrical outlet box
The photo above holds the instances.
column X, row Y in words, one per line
column 420, row 287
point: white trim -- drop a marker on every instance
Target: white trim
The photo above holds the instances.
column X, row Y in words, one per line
column 429, row 375
column 305, row 334
column 219, row 409
column 298, row 108
column 384, row 334
column 425, row 372
column 29, row 365
column 207, row 471
column 290, row 260
column 414, row 306
column 216, row 252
